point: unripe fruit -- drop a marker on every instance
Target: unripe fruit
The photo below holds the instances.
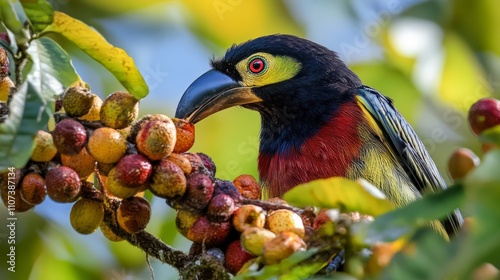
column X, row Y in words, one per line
column 107, row 145
column 7, row 87
column 181, row 161
column 210, row 233
column 116, row 188
column 69, row 137
column 185, row 135
column 63, row 184
column 484, row 114
column 133, row 214
column 282, row 246
column 82, row 163
column 285, row 220
column 33, row 190
column 77, row 101
column 168, row 180
column 199, row 191
column 109, row 234
column 184, row 220
column 248, row 186
column 220, row 208
column 461, row 162
column 86, row 215
column 253, row 239
column 156, row 139
column 236, row 257
column 45, row 149
column 133, row 170
column 104, row 168
column 119, row 110
column 94, row 113
column 249, row 216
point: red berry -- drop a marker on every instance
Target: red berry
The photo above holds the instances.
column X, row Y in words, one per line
column 133, row 170
column 484, row 114
column 236, row 257
column 69, row 137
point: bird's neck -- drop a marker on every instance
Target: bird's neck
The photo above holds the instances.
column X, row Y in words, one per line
column 302, row 153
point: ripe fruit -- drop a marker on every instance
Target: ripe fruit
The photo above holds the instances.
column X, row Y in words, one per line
column 484, row 114
column 207, row 232
column 63, row 184
column 45, row 149
column 133, row 214
column 107, row 145
column 227, row 187
column 69, row 137
column 116, row 188
column 86, row 215
column 195, row 160
column 4, row 63
column 248, row 186
column 282, row 246
column 77, row 101
column 168, row 180
column 133, row 170
column 220, row 208
column 236, row 257
column 253, row 239
column 461, row 162
column 249, row 216
column 156, row 139
column 32, row 189
column 208, row 163
column 119, row 110
column 82, row 163
column 285, row 220
column 199, row 191
column 185, row 135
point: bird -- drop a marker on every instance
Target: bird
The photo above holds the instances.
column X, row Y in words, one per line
column 318, row 120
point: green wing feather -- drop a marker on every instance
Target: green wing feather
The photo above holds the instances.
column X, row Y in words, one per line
column 410, row 151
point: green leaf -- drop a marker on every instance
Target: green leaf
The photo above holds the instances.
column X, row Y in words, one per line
column 337, row 192
column 13, row 17
column 32, row 105
column 393, row 225
column 95, row 45
column 491, row 135
column 39, row 12
column 287, row 268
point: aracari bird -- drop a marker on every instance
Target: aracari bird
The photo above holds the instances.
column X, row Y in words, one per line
column 318, row 120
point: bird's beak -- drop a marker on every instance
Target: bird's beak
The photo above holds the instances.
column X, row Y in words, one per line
column 212, row 92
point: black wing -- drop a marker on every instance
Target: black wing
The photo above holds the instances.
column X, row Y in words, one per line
column 410, row 151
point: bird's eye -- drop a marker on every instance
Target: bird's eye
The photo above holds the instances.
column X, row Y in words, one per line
column 257, row 65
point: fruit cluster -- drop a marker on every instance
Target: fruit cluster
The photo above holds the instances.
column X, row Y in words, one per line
column 130, row 156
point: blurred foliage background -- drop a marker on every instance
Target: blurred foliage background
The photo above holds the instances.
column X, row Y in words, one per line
column 434, row 58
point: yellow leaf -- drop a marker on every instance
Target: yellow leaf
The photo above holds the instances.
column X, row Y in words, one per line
column 114, row 59
column 235, row 21
column 337, row 192
column 463, row 80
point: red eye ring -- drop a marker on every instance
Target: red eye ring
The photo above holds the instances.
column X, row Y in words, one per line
column 257, row 65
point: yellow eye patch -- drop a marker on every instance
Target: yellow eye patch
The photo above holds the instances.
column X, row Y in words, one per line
column 277, row 69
